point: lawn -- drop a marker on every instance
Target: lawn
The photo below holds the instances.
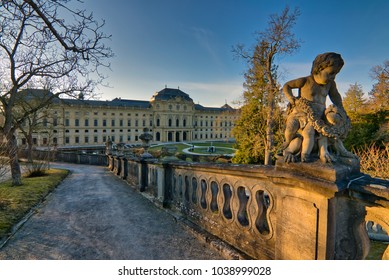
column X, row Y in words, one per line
column 16, row 202
column 216, row 144
column 219, row 150
column 221, row 147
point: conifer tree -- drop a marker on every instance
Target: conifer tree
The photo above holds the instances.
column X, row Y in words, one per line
column 259, row 124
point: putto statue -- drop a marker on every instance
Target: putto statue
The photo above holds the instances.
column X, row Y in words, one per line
column 311, row 128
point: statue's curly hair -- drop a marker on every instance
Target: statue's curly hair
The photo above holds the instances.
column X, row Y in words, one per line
column 325, row 60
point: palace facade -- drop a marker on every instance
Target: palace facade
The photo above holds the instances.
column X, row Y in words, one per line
column 170, row 115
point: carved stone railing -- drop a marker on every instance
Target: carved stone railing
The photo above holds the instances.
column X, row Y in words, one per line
column 271, row 212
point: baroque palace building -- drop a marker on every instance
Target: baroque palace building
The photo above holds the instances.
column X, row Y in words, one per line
column 170, row 115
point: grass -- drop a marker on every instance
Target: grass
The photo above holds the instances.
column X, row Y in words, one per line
column 16, row 202
column 216, row 144
column 219, row 150
column 180, row 147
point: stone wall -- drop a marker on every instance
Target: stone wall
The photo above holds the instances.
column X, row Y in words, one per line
column 268, row 212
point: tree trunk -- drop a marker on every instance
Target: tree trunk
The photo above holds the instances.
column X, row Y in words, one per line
column 269, row 135
column 12, row 148
column 29, row 148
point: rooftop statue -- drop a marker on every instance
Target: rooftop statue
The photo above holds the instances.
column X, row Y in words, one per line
column 311, row 128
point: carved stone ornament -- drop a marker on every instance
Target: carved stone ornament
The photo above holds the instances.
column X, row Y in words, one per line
column 312, row 130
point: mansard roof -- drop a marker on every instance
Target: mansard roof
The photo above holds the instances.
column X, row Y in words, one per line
column 165, row 94
column 117, row 102
column 130, row 103
column 224, row 108
column 170, row 93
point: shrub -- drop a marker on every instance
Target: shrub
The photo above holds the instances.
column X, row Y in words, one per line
column 36, row 169
column 374, row 160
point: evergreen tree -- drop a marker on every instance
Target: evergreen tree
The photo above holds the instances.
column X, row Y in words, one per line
column 258, row 130
column 354, row 102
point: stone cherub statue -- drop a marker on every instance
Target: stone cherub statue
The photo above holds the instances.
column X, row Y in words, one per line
column 310, row 126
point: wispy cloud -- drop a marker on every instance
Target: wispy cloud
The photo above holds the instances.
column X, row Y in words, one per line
column 290, row 71
column 207, row 41
column 214, row 94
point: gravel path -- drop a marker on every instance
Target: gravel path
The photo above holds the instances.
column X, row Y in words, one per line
column 95, row 215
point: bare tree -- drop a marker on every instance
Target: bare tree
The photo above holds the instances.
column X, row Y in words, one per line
column 37, row 122
column 277, row 40
column 380, row 93
column 46, row 44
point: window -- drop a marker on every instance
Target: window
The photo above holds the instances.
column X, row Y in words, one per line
column 112, row 122
column 96, row 122
column 67, row 122
column 86, row 139
column 95, row 139
column 104, row 122
column 77, row 122
column 86, row 122
column 158, row 122
column 77, row 139
column 120, row 122
column 67, row 140
column 128, row 122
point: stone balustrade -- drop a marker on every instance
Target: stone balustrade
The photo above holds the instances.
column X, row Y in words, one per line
column 269, row 212
column 287, row 211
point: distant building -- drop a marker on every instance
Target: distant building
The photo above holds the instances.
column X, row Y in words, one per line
column 171, row 115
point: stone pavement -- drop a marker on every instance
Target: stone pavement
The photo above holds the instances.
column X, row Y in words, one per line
column 95, row 215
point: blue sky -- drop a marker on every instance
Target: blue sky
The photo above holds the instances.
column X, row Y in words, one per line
column 188, row 43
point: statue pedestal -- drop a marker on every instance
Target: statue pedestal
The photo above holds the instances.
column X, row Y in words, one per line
column 343, row 169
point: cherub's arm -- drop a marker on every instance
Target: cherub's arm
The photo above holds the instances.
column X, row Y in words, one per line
column 335, row 96
column 287, row 89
